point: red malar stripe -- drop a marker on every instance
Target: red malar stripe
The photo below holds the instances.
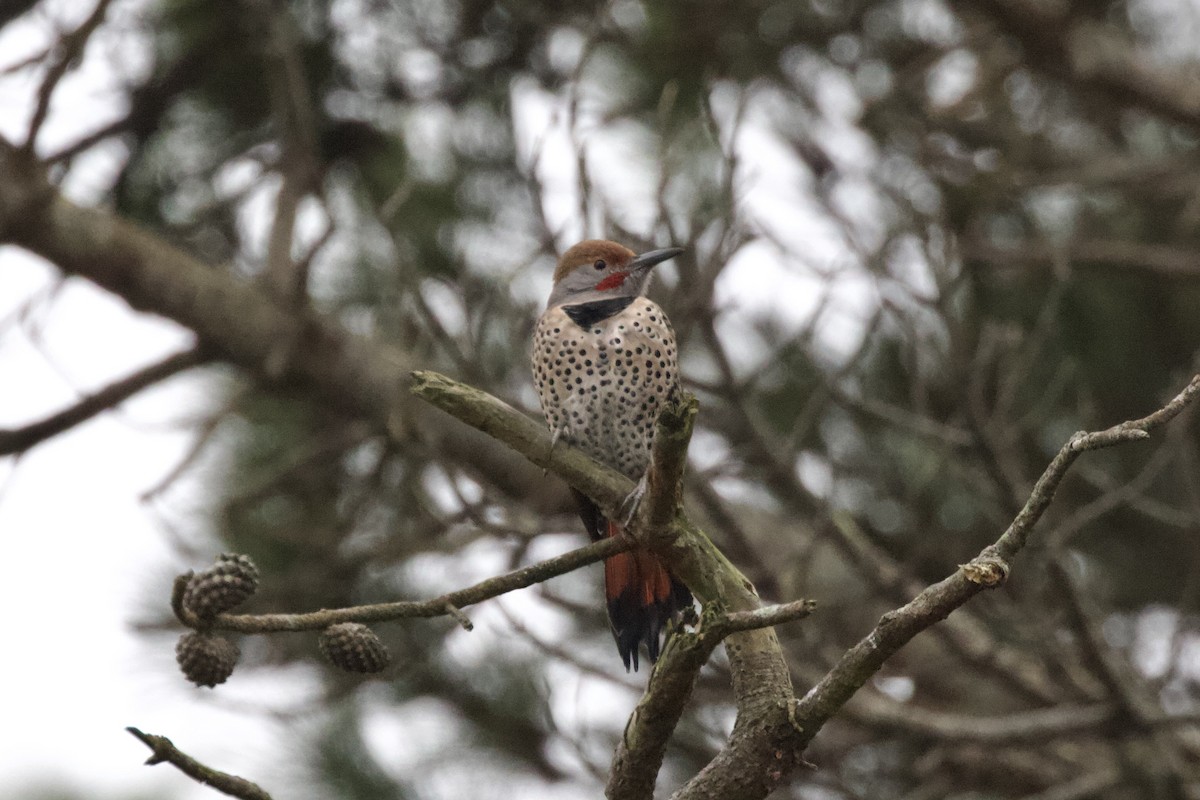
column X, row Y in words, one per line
column 611, row 282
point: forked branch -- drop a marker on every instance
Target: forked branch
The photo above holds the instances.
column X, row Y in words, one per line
column 640, row 752
column 761, row 680
column 988, row 569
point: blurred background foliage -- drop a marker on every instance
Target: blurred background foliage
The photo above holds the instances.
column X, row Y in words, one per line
column 926, row 242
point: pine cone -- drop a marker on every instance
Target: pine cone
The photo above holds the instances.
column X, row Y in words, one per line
column 353, row 647
column 206, row 660
column 219, row 588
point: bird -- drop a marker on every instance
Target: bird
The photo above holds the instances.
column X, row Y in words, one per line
column 605, row 364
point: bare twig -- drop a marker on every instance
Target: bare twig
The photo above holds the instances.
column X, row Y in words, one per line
column 1043, row 491
column 70, row 47
column 446, row 605
column 1035, row 725
column 458, row 616
column 166, row 751
column 16, row 440
column 990, row 568
column 1089, row 784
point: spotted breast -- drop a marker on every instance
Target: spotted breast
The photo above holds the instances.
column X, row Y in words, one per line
column 603, row 373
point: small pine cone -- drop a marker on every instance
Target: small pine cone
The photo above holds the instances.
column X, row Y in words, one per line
column 222, row 586
column 353, row 647
column 206, row 660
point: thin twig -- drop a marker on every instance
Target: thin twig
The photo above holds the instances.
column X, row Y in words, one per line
column 69, row 50
column 1035, row 725
column 1088, row 784
column 1117, row 676
column 445, row 605
column 989, row 569
column 166, row 751
column 16, row 440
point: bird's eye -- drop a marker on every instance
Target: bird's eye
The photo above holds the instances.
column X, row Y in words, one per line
column 600, row 264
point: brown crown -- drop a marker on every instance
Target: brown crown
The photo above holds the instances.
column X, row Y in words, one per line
column 590, row 251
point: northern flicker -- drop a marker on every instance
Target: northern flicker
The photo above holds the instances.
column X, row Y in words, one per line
column 605, row 363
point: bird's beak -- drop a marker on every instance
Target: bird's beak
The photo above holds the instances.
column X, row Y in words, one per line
column 648, row 260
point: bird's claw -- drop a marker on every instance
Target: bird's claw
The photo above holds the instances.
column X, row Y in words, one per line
column 554, row 434
column 629, row 506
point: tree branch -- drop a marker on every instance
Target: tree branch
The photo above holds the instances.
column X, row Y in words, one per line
column 640, row 752
column 363, row 377
column 281, row 346
column 1035, row 725
column 527, row 436
column 989, row 569
column 1088, row 54
column 16, row 440
column 68, row 51
column 302, row 348
column 754, row 759
column 446, row 605
column 166, row 751
column 664, row 479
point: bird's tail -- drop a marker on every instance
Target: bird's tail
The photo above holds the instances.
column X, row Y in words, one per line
column 642, row 597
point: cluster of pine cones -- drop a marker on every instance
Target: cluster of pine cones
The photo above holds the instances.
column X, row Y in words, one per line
column 207, row 659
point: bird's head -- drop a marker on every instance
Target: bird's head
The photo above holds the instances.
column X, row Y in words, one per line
column 600, row 270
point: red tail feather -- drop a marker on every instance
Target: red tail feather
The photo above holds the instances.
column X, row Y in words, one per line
column 642, row 596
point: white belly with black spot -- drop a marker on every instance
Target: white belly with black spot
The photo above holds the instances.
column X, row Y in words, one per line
column 603, row 387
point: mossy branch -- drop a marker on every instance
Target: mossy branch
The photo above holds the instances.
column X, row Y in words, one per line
column 526, row 436
column 761, row 680
column 664, row 478
column 640, row 752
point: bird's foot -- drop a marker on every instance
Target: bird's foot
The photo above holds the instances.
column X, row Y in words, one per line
column 629, row 506
column 554, row 434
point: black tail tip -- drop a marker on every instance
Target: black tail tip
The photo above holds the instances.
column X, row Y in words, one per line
column 628, row 644
column 646, row 628
column 634, row 623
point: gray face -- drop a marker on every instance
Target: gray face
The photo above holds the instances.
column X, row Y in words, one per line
column 601, row 280
column 586, row 283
